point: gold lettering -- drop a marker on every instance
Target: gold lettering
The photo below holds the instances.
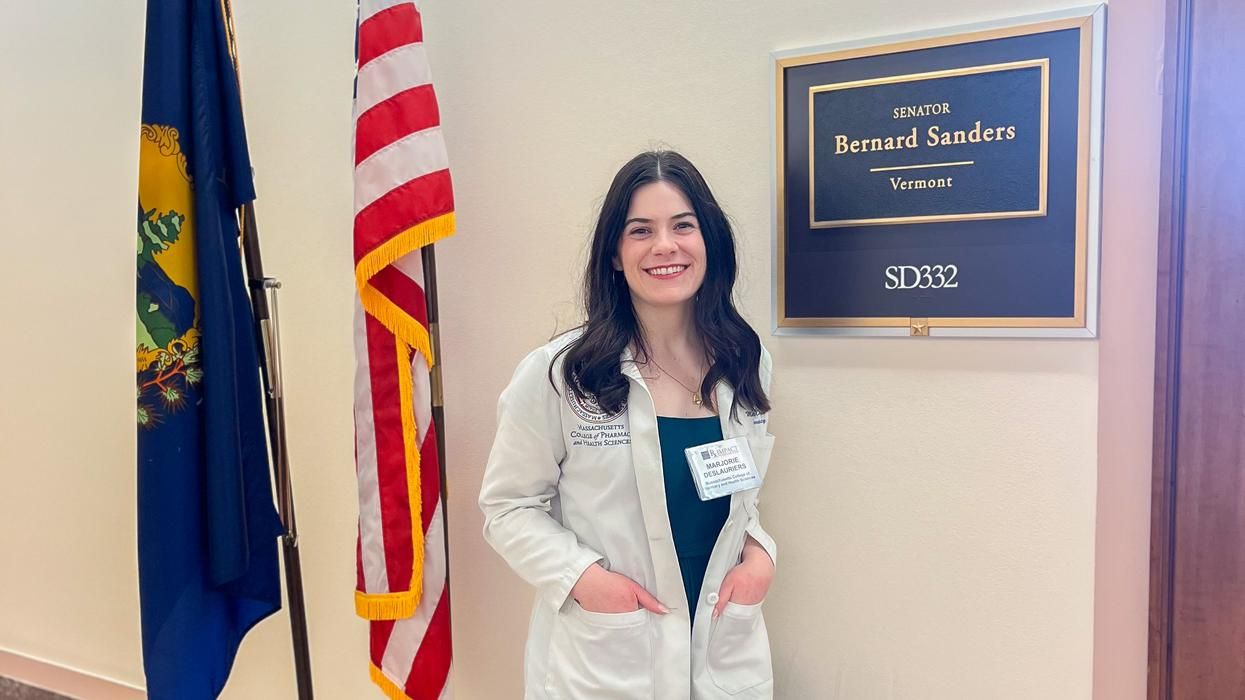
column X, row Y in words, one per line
column 924, row 110
column 840, row 144
column 899, row 183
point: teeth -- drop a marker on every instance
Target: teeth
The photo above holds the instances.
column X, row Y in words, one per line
column 669, row 270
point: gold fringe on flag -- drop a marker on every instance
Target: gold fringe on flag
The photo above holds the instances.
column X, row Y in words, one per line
column 409, row 335
column 378, row 305
column 388, row 687
column 386, row 606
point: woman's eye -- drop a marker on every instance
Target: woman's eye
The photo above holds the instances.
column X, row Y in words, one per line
column 638, row 231
column 684, row 225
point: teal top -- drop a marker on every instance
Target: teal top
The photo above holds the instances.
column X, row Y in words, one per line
column 694, row 523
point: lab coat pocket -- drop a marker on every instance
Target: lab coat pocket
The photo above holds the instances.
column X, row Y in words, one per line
column 601, row 655
column 738, row 656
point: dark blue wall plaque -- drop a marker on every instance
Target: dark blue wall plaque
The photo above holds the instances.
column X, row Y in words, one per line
column 939, row 183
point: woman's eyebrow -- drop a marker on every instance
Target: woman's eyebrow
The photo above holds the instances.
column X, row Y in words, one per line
column 638, row 220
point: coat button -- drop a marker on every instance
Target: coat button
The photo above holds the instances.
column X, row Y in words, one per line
column 712, row 598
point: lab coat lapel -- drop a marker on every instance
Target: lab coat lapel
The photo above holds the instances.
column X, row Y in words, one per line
column 651, row 485
column 724, row 395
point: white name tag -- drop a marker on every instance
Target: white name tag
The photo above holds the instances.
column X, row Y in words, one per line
column 722, row 468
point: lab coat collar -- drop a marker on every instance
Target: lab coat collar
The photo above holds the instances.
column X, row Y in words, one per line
column 629, row 367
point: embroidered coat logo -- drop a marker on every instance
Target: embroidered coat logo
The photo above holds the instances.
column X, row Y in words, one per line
column 589, row 411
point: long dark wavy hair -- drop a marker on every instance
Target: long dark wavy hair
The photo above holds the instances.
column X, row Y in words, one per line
column 733, row 350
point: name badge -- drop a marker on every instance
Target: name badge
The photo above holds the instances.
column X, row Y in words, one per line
column 722, row 468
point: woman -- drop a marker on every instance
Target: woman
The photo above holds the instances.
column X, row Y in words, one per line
column 645, row 591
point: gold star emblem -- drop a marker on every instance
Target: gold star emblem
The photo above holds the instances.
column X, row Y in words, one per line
column 920, row 326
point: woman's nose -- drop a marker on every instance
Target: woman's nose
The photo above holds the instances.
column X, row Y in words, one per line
column 664, row 242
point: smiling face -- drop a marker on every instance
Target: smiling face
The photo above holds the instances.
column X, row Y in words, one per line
column 661, row 253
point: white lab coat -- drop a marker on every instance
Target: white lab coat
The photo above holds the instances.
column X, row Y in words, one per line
column 567, row 486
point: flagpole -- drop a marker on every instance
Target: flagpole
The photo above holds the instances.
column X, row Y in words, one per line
column 268, row 334
column 264, row 305
column 429, row 257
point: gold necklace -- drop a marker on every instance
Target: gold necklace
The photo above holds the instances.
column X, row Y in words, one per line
column 696, row 399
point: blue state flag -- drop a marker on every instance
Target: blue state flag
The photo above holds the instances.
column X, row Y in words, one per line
column 207, row 528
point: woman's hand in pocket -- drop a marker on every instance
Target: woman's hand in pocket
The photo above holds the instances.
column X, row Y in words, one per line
column 748, row 582
column 601, row 591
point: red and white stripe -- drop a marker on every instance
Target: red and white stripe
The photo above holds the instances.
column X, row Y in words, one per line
column 402, row 200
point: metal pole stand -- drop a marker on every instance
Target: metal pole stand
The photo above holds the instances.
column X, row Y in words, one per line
column 264, row 304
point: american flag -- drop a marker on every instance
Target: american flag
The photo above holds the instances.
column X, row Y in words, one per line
column 402, row 201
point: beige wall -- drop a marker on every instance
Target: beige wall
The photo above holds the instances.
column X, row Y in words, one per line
column 943, row 506
column 69, row 108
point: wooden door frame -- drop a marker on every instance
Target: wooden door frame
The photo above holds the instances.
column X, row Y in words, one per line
column 1171, row 236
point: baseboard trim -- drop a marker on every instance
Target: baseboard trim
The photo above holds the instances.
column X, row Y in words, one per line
column 67, row 681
